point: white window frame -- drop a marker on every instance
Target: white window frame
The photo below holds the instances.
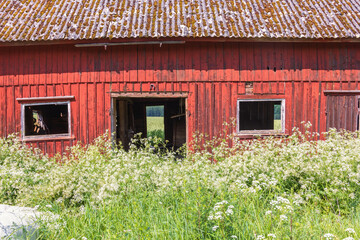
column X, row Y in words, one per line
column 23, row 105
column 259, row 132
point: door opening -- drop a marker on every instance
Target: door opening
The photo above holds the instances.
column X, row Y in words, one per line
column 155, row 121
column 161, row 117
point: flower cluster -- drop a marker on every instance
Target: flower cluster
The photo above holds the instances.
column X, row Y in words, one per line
column 286, row 173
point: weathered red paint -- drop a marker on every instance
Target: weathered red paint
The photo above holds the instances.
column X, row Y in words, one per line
column 212, row 74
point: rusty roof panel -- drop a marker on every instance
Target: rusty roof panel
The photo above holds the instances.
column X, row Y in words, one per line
column 39, row 20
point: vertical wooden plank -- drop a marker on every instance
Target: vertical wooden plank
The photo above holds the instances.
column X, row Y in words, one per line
column 3, row 111
column 42, row 66
column 149, row 53
column 92, row 116
column 218, row 109
column 83, row 99
column 21, row 67
column 172, row 65
column 107, row 104
column 243, row 62
column 208, row 66
column 196, row 63
column 157, row 65
column 142, row 69
column 3, row 67
column 10, row 113
column 306, row 53
column 42, row 90
column 206, row 108
column 75, row 110
column 100, row 108
column 219, row 60
column 272, row 64
column 133, row 62
column 97, row 70
column 113, row 66
column 164, row 51
column 191, row 112
column 259, row 54
column 188, row 62
column 180, row 64
column 17, row 120
column 127, row 55
column 280, row 73
column 70, row 65
column 314, row 103
column 235, row 61
column 250, row 63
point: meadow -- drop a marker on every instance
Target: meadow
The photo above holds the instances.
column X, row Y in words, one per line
column 155, row 127
column 272, row 188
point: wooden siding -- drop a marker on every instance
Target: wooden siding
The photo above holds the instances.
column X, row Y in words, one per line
column 212, row 74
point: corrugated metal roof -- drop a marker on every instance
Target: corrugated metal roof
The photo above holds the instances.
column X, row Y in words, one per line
column 35, row 20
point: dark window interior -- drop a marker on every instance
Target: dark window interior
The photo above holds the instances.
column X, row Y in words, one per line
column 260, row 115
column 46, row 119
column 132, row 116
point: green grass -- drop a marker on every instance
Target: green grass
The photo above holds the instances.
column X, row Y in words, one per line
column 294, row 188
column 155, row 127
column 277, row 124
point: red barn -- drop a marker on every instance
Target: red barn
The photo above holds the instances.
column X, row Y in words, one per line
column 72, row 69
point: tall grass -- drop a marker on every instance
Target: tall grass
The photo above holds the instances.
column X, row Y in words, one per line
column 155, row 127
column 273, row 188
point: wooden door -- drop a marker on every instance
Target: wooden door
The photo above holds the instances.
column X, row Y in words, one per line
column 342, row 112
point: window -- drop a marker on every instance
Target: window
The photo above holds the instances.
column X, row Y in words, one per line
column 264, row 116
column 45, row 119
column 342, row 109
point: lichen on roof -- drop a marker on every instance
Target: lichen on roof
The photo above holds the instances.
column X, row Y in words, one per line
column 42, row 20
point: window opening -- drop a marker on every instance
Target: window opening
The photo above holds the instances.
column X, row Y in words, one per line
column 46, row 119
column 261, row 115
column 155, row 121
column 135, row 115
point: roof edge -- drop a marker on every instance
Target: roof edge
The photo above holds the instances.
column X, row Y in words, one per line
column 179, row 39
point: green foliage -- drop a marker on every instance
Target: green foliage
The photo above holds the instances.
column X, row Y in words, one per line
column 155, row 111
column 290, row 188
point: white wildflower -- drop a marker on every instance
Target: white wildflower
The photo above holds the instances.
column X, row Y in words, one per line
column 214, row 228
column 218, row 215
column 268, row 212
column 271, row 235
column 233, row 236
column 211, row 217
column 260, row 237
column 229, row 212
column 83, row 238
column 283, row 218
column 349, row 238
column 329, row 236
column 350, row 230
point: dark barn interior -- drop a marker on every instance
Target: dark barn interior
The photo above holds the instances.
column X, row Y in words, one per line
column 130, row 119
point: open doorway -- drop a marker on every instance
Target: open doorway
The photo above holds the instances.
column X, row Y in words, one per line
column 155, row 126
column 161, row 117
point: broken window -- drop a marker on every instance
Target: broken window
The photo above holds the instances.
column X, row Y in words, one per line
column 43, row 119
column 261, row 116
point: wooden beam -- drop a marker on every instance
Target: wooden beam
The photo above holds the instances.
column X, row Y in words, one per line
column 150, row 95
column 46, row 99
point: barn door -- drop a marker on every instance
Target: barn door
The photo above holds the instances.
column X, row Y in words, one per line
column 342, row 112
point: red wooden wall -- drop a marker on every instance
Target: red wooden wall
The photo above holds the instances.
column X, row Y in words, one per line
column 213, row 75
